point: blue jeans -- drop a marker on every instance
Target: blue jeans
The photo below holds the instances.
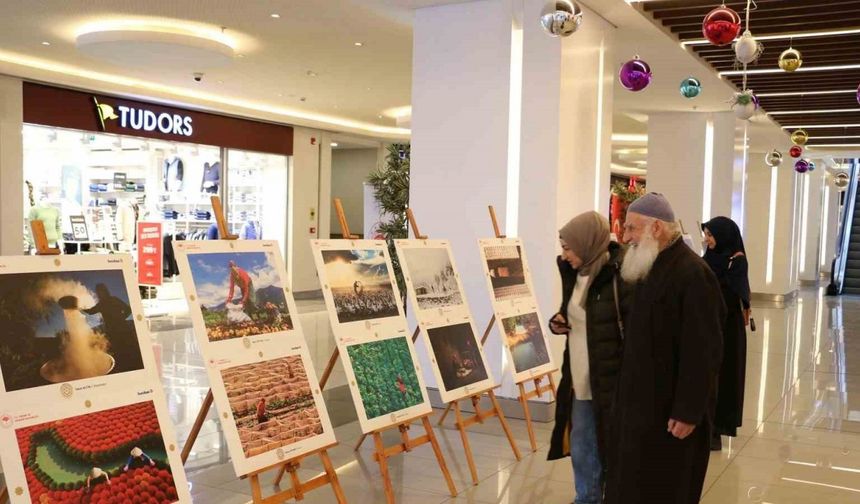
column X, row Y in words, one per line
column 587, row 471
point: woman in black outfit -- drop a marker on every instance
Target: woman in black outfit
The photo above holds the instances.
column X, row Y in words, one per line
column 727, row 258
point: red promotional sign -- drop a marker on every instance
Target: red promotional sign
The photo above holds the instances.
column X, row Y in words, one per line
column 149, row 253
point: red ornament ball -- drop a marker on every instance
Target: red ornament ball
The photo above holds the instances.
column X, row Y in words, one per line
column 721, row 26
column 795, row 151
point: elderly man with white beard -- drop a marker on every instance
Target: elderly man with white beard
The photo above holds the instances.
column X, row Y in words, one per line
column 672, row 352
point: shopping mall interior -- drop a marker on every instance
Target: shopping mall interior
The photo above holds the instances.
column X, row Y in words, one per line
column 167, row 336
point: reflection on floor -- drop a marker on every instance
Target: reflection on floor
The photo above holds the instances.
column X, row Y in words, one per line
column 800, row 442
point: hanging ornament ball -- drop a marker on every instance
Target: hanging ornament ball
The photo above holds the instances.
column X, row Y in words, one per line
column 858, row 94
column 747, row 48
column 811, row 166
column 841, row 180
column 773, row 158
column 801, row 166
column 795, row 151
column 635, row 75
column 745, row 105
column 790, row 59
column 690, row 87
column 799, row 137
column 721, row 26
column 561, row 18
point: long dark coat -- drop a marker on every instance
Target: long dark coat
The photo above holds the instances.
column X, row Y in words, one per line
column 604, row 352
column 672, row 355
column 732, row 381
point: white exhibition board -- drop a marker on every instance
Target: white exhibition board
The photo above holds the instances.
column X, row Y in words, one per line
column 459, row 363
column 82, row 410
column 246, row 323
column 517, row 315
column 371, row 332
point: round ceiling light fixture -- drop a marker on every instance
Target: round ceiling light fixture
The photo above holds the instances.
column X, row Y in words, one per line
column 152, row 45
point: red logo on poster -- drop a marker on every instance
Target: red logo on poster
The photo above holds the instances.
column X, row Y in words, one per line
column 149, row 253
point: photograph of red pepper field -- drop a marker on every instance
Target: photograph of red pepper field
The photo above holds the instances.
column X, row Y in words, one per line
column 272, row 404
column 110, row 457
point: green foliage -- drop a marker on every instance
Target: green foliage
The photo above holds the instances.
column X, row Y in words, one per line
column 620, row 189
column 377, row 365
column 391, row 191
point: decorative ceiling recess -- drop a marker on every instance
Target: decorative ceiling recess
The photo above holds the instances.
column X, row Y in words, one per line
column 821, row 95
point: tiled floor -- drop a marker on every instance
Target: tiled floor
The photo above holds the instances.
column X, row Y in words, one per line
column 800, row 442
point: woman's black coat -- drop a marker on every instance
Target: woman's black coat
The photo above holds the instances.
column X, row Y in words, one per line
column 604, row 351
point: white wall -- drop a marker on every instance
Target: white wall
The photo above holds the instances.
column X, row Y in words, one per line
column 305, row 213
column 810, row 223
column 349, row 170
column 11, row 167
column 760, row 180
column 460, row 91
column 677, row 143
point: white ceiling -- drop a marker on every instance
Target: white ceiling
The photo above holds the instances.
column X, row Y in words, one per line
column 352, row 85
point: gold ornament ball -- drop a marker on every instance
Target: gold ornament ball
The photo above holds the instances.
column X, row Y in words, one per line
column 790, row 60
column 799, row 137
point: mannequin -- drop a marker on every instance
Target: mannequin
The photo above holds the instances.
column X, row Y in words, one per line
column 211, row 177
column 126, row 223
column 50, row 217
column 173, row 173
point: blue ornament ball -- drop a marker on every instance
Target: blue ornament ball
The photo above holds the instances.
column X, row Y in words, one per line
column 690, row 87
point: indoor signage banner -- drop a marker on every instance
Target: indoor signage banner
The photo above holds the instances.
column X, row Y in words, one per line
column 149, row 253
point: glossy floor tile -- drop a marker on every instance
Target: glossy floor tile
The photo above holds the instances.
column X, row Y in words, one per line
column 800, row 442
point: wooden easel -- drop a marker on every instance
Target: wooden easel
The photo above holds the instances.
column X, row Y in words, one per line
column 40, row 240
column 539, row 388
column 479, row 415
column 407, row 443
column 298, row 489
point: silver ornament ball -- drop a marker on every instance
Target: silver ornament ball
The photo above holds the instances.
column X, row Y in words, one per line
column 773, row 158
column 561, row 18
column 841, row 181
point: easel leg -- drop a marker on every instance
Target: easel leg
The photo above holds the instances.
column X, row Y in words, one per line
column 438, row 451
column 360, row 442
column 444, row 415
column 256, row 491
column 505, row 425
column 297, row 485
column 528, row 416
column 383, row 467
column 332, row 476
column 198, row 424
column 280, row 476
column 466, row 447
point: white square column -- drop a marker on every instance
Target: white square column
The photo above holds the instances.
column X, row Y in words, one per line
column 505, row 115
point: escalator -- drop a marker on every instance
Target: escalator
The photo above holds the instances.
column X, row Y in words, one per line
column 845, row 278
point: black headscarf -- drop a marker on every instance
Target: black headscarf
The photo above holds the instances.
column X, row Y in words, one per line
column 729, row 242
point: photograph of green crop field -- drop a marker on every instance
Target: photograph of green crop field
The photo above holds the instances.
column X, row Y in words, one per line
column 114, row 456
column 386, row 377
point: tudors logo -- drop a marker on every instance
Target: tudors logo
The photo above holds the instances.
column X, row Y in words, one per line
column 143, row 120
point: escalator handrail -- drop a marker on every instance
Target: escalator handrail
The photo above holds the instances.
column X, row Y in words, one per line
column 845, row 228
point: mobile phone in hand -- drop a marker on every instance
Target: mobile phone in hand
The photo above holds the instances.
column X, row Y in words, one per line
column 752, row 324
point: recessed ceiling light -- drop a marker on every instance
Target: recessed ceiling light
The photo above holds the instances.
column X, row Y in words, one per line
column 359, row 44
column 280, row 94
column 220, row 82
column 334, row 144
column 818, row 126
column 46, row 43
column 240, row 55
column 276, row 16
column 379, row 116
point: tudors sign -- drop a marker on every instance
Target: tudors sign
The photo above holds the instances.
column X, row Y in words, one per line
column 144, row 119
column 67, row 108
